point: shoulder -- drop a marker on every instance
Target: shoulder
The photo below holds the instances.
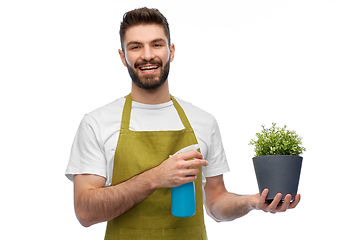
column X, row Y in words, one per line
column 116, row 106
column 107, row 114
column 195, row 114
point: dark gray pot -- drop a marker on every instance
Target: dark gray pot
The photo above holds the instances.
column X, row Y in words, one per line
column 279, row 174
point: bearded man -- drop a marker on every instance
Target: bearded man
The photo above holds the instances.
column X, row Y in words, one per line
column 123, row 162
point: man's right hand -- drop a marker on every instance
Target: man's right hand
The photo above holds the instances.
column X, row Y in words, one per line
column 178, row 169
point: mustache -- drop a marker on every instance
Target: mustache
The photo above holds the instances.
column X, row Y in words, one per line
column 144, row 62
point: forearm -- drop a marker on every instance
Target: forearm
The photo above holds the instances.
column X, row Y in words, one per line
column 103, row 204
column 94, row 203
column 228, row 206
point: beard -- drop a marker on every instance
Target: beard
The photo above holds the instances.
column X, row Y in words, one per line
column 149, row 82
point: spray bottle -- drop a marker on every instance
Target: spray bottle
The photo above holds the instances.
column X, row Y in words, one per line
column 183, row 196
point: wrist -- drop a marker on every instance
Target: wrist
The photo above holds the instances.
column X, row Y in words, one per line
column 149, row 178
column 249, row 203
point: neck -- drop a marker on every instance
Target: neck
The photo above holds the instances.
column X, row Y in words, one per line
column 157, row 96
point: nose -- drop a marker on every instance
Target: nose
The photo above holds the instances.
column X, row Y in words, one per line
column 147, row 53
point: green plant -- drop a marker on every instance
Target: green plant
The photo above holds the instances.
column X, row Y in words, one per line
column 277, row 141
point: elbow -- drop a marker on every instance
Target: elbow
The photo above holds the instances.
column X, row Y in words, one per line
column 84, row 223
column 208, row 208
column 216, row 212
column 213, row 217
column 83, row 218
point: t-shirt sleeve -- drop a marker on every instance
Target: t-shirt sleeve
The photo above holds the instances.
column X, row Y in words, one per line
column 87, row 155
column 217, row 159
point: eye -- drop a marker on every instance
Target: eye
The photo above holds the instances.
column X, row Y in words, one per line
column 133, row 47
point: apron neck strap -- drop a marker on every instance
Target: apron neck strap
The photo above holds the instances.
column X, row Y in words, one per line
column 125, row 120
column 182, row 114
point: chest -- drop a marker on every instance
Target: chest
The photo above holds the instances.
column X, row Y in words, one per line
column 163, row 119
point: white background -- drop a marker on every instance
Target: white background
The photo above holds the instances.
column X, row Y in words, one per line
column 247, row 62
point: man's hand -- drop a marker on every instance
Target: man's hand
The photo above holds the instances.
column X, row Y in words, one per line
column 224, row 206
column 178, row 169
column 258, row 202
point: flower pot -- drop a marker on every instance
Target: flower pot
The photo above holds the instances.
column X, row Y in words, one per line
column 279, row 174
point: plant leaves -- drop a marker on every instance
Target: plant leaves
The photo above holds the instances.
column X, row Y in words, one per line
column 277, row 141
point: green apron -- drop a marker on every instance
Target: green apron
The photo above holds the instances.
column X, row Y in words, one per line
column 138, row 151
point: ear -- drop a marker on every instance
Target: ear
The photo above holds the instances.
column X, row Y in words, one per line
column 172, row 52
column 122, row 56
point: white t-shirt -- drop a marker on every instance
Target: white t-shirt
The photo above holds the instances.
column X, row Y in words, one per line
column 95, row 142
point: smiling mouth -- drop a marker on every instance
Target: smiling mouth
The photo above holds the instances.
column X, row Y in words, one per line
column 148, row 68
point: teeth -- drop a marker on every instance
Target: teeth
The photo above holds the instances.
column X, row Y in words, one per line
column 149, row 67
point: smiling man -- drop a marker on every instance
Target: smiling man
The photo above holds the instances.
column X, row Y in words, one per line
column 122, row 161
column 147, row 56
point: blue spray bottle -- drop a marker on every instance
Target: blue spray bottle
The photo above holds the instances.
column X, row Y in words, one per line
column 183, row 196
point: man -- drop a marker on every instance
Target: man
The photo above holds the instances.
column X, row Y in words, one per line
column 122, row 161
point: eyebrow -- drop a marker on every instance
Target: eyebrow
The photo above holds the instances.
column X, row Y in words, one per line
column 133, row 42
column 158, row 40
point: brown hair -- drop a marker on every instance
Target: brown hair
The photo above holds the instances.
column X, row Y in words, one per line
column 143, row 16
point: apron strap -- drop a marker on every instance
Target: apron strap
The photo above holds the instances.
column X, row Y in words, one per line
column 125, row 120
column 182, row 114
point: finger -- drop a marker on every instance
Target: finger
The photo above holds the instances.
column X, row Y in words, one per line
column 192, row 172
column 196, row 163
column 285, row 205
column 187, row 179
column 189, row 155
column 273, row 205
column 262, row 199
column 295, row 202
column 263, row 195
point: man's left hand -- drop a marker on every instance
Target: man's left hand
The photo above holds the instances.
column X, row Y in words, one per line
column 258, row 201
